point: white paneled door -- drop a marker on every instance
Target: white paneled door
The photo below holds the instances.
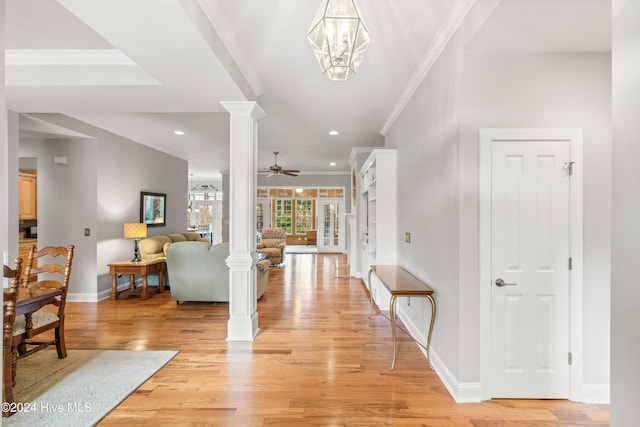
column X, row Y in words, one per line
column 331, row 233
column 530, row 200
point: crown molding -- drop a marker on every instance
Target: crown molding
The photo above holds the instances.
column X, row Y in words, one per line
column 446, row 31
column 77, row 57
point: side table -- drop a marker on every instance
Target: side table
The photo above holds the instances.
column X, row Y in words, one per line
column 142, row 268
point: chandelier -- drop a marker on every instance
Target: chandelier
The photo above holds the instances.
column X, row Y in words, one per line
column 339, row 38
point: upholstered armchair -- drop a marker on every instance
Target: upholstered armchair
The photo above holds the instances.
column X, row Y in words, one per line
column 272, row 244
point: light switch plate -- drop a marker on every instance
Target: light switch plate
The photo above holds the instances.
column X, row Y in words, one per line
column 407, row 237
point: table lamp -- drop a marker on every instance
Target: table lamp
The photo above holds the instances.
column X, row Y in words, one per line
column 135, row 231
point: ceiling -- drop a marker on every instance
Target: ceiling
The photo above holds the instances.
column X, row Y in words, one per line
column 145, row 68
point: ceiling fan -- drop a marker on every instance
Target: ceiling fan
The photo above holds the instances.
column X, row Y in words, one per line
column 275, row 169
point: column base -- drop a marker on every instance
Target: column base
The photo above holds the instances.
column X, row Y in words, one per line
column 242, row 328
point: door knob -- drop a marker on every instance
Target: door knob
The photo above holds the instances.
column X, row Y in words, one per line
column 500, row 283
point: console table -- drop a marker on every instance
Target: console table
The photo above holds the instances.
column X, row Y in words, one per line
column 401, row 283
column 142, row 268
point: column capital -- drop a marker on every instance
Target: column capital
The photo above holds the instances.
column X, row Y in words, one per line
column 244, row 109
column 241, row 260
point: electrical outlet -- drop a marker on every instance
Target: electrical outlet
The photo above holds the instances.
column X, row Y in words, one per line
column 408, row 301
column 407, row 237
column 87, row 232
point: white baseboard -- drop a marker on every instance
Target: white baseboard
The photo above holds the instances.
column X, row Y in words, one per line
column 595, row 393
column 472, row 392
column 82, row 297
column 460, row 392
column 88, row 297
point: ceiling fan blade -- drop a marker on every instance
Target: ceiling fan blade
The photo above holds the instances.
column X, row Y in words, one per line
column 290, row 173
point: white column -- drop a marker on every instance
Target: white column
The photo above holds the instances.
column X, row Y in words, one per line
column 243, row 317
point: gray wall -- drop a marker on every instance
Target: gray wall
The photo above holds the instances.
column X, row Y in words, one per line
column 67, row 199
column 625, row 289
column 102, row 187
column 437, row 140
column 559, row 90
column 426, row 136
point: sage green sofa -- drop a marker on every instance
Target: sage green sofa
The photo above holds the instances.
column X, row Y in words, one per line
column 198, row 272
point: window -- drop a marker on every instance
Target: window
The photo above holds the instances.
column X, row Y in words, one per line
column 304, row 216
column 283, row 215
column 259, row 216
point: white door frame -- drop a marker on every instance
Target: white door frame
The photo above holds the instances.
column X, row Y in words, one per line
column 574, row 137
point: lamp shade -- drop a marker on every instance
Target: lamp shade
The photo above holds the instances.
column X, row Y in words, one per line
column 135, row 231
column 338, row 38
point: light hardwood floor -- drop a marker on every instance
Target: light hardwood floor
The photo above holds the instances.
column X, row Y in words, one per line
column 317, row 361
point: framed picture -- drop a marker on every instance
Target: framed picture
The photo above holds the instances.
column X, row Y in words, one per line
column 153, row 209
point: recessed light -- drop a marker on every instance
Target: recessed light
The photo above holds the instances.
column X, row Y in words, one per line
column 178, row 132
column 332, row 164
column 333, row 132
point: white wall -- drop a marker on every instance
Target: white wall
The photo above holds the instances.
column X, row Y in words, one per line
column 437, row 140
column 4, row 151
column 108, row 184
column 625, row 289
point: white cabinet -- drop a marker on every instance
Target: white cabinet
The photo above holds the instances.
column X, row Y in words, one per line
column 379, row 237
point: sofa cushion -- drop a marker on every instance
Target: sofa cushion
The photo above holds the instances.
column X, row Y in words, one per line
column 156, row 246
column 273, row 233
column 153, row 247
column 192, row 236
column 271, row 243
column 177, row 237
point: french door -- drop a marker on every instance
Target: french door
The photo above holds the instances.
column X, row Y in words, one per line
column 331, row 233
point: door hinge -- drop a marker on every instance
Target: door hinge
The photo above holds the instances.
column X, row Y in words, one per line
column 569, row 166
column 570, row 263
column 570, row 358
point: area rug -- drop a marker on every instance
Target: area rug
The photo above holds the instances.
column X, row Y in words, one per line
column 82, row 388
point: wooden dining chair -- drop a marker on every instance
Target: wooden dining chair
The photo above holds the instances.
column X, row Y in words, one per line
column 9, row 310
column 53, row 271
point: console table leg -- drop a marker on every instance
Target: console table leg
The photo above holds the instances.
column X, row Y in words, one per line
column 392, row 315
column 433, row 320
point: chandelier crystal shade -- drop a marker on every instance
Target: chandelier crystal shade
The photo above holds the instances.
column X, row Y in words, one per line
column 339, row 38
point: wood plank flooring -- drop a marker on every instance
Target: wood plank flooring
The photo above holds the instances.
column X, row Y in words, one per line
column 317, row 361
